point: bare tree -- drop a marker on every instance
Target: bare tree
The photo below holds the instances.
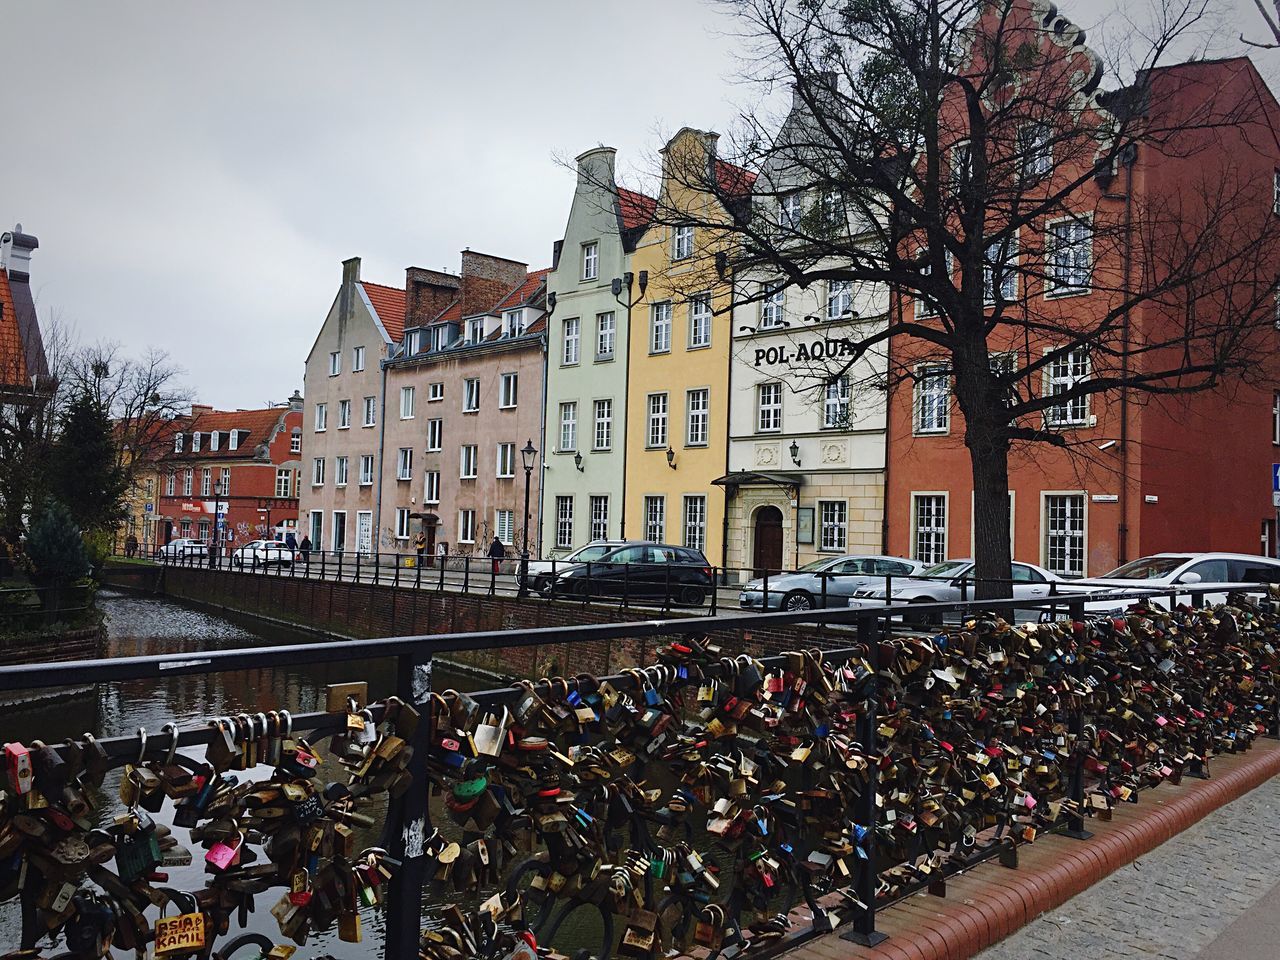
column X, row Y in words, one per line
column 968, row 159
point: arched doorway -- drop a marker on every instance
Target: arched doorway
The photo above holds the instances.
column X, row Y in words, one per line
column 766, row 554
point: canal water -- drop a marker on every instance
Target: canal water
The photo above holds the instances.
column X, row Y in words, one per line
column 145, row 625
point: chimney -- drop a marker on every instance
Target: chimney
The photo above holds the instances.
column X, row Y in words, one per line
column 17, row 254
column 426, row 294
column 199, row 410
column 295, row 401
column 556, row 249
column 486, row 279
column 351, row 270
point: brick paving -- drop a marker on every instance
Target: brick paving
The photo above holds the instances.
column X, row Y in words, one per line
column 1174, row 902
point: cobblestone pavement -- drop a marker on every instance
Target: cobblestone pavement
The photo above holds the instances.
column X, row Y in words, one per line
column 1174, row 903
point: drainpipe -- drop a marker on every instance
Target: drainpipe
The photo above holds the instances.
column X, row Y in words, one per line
column 382, row 436
column 728, row 401
column 1129, row 158
column 888, row 420
column 626, row 395
column 542, row 429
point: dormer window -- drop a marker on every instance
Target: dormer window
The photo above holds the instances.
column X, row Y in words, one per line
column 195, row 442
column 177, row 443
column 414, row 341
column 440, row 337
column 475, row 329
column 514, row 323
column 213, row 440
column 233, row 441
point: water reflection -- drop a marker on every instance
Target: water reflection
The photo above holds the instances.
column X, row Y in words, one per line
column 144, row 625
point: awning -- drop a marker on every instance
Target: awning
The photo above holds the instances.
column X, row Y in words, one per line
column 752, row 478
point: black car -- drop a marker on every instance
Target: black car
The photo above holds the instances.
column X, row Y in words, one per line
column 641, row 571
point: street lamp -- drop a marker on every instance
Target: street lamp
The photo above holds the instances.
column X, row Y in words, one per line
column 527, row 454
column 217, row 524
column 795, row 453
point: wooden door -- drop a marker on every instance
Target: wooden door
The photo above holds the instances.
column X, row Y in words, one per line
column 766, row 555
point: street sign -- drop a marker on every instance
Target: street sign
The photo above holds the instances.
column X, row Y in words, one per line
column 1275, row 484
column 147, row 508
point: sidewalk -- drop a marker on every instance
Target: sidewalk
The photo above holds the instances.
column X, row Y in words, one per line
column 1210, row 893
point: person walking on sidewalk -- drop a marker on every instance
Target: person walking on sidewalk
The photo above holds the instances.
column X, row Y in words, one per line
column 305, row 549
column 497, row 553
column 420, row 544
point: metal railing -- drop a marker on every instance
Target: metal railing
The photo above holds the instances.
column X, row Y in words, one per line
column 33, row 607
column 414, row 655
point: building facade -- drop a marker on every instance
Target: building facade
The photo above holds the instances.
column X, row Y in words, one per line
column 243, row 464
column 344, row 386
column 678, row 385
column 588, row 357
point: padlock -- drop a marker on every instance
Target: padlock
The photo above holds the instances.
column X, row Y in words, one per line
column 18, row 763
column 223, row 855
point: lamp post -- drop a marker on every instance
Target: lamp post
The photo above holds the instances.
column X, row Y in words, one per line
column 217, row 524
column 527, row 454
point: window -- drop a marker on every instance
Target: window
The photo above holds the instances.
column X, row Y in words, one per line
column 295, row 441
column 657, row 436
column 998, row 275
column 660, row 327
column 317, row 528
column 835, row 403
column 508, row 389
column 1037, row 150
column 700, row 321
column 564, row 522
column 406, row 402
column 833, row 209
column 151, row 486
column 1064, row 534
column 1069, row 249
column 1275, row 427
column 344, row 414
column 188, row 474
column 335, row 363
column 370, row 411
column 504, row 524
column 655, row 519
column 572, row 341
column 1275, row 193
column 834, row 516
column 204, row 530
column 435, row 392
column 177, row 443
column 513, row 323
column 171, row 482
column 339, row 471
column 772, row 298
column 961, row 164
column 224, row 478
column 467, row 461
column 206, row 482
column 590, row 260
column 404, row 463
column 471, row 395
column 366, row 469
column 475, row 329
column 933, row 400
column 357, row 359
column 697, row 412
column 1063, row 373
column 185, row 527
column 599, row 518
column 322, row 417
column 506, row 460
column 195, row 442
column 414, row 341
column 440, row 334
column 317, row 472
column 695, row 522
column 682, row 247
column 431, row 487
column 435, row 435
column 839, row 299
column 769, row 407
column 568, row 427
column 790, row 210
column 929, row 518
column 234, row 439
column 213, row 440
column 603, row 438
column 402, row 523
column 606, row 335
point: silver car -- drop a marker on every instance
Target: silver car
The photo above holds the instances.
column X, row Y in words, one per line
column 952, row 580
column 1210, row 574
column 843, row 577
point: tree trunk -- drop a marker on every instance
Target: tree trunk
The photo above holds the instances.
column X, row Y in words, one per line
column 993, row 553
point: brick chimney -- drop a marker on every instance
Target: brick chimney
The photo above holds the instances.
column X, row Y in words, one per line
column 427, row 293
column 486, row 278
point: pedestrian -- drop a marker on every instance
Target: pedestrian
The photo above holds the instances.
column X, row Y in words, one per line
column 305, row 548
column 420, row 545
column 497, row 553
column 131, row 546
column 291, row 541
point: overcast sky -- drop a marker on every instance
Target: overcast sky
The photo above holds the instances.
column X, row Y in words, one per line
column 196, row 173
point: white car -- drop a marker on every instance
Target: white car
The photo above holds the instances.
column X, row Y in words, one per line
column 260, row 553
column 1211, row 575
column 180, row 548
column 952, row 580
column 543, row 572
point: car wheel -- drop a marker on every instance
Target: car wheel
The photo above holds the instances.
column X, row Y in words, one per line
column 797, row 600
column 542, row 586
column 691, row 596
column 581, row 589
column 920, row 619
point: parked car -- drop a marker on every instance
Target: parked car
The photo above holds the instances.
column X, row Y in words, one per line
column 260, row 553
column 542, row 572
column 1211, row 574
column 640, row 571
column 946, row 581
column 180, row 548
column 835, row 578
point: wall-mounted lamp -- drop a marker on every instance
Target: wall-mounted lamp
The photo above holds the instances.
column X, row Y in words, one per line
column 795, row 453
column 671, row 457
column 618, row 284
column 551, row 303
column 577, row 462
column 722, row 264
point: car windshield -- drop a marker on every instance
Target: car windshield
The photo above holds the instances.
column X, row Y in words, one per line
column 589, row 553
column 947, row 568
column 1148, row 568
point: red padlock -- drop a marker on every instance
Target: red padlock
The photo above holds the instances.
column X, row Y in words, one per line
column 18, row 760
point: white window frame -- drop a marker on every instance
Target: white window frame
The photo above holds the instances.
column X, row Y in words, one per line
column 435, row 435
column 321, row 423
column 471, row 395
column 295, row 441
column 700, row 314
column 171, row 485
column 1275, row 420
column 408, row 400
column 773, row 302
column 660, row 327
column 655, row 517
column 339, row 527
column 606, row 335
column 1061, row 374
column 468, row 455
column 508, row 391
column 341, row 467
column 931, row 407
column 504, row 522
column 284, row 482
column 206, row 482
column 431, row 486
column 599, row 514
column 697, row 417
column 1075, row 277
column 839, row 299
column 370, row 411
column 1036, row 144
column 695, row 521
column 506, row 461
column 513, row 323
column 833, row 526
column 1009, row 273
column 475, row 330
column 591, row 260
column 1048, row 533
column 769, row 407
column 682, row 242
column 435, row 391
column 357, row 359
column 344, row 414
column 942, row 532
column 366, row 469
column 564, row 522
column 571, row 355
column 602, row 416
column 195, row 442
column 658, row 408
column 188, row 476
column 335, row 362
column 466, row 526
column 569, row 426
column 836, row 403
column 404, row 463
column 317, row 471
column 403, row 523
column 790, row 209
column 177, row 443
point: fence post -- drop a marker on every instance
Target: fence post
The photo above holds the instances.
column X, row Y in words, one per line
column 715, row 589
column 666, row 595
column 864, row 930
column 444, row 559
column 408, row 819
column 340, row 564
column 466, row 574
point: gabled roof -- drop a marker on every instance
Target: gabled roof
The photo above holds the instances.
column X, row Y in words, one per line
column 732, row 179
column 637, row 209
column 260, row 424
column 523, row 293
column 13, row 360
column 388, row 303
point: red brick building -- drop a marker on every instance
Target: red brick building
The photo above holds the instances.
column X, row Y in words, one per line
column 1140, row 474
column 242, row 462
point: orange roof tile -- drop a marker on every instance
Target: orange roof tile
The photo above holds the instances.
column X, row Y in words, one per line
column 521, row 294
column 259, row 424
column 733, row 179
column 637, row 209
column 388, row 303
column 13, row 360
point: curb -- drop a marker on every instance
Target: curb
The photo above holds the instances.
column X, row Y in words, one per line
column 986, row 904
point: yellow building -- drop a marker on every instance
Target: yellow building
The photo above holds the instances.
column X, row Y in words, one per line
column 678, row 389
